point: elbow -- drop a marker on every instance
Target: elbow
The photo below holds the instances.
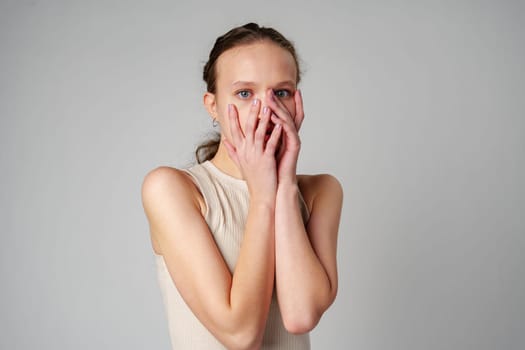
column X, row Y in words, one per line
column 245, row 341
column 301, row 322
column 245, row 337
column 304, row 319
column 241, row 332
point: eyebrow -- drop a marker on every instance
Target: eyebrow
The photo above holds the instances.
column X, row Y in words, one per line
column 251, row 83
column 240, row 82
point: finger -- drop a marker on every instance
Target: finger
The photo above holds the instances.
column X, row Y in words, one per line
column 292, row 138
column 299, row 109
column 260, row 133
column 278, row 108
column 232, row 152
column 273, row 141
column 235, row 128
column 251, row 121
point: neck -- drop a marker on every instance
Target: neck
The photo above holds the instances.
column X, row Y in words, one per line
column 224, row 163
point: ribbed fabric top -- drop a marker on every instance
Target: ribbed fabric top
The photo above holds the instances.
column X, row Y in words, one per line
column 227, row 202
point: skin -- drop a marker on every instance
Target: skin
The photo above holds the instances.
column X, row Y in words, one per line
column 256, row 93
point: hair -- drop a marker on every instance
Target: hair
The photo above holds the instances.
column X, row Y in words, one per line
column 243, row 35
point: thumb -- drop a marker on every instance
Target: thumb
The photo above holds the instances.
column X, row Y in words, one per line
column 232, row 152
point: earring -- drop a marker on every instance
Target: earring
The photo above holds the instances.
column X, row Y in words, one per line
column 215, row 123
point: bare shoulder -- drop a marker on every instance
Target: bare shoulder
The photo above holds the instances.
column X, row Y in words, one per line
column 170, row 187
column 164, row 175
column 168, row 194
column 319, row 185
column 166, row 180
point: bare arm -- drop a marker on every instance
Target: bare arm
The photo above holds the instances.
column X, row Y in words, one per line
column 306, row 266
column 234, row 308
column 305, row 257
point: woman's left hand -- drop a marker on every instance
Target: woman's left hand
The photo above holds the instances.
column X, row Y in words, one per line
column 288, row 152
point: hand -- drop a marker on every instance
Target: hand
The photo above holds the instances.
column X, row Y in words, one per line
column 288, row 152
column 254, row 156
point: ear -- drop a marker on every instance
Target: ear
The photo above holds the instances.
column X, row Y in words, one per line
column 210, row 104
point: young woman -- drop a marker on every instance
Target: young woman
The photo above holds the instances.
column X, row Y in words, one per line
column 245, row 247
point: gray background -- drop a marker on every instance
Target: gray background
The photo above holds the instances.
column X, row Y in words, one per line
column 417, row 107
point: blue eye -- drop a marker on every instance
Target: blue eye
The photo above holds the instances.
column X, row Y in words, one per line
column 282, row 93
column 244, row 94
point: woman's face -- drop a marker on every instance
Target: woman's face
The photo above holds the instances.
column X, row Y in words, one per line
column 248, row 72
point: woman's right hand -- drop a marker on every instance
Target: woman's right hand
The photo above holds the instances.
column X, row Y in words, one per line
column 254, row 155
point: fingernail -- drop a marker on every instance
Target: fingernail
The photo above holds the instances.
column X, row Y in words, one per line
column 229, row 107
column 255, row 101
column 265, row 110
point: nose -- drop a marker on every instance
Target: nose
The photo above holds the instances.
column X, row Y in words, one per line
column 263, row 95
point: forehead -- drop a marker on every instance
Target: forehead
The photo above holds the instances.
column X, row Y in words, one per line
column 261, row 61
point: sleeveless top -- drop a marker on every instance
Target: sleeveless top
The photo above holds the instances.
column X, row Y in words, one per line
column 227, row 201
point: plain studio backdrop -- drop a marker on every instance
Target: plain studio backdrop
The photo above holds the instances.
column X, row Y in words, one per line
column 416, row 107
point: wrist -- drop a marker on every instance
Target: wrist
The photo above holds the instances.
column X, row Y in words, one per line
column 263, row 202
column 287, row 182
column 287, row 188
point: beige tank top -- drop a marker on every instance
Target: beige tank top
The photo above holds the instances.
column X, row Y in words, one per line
column 227, row 200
